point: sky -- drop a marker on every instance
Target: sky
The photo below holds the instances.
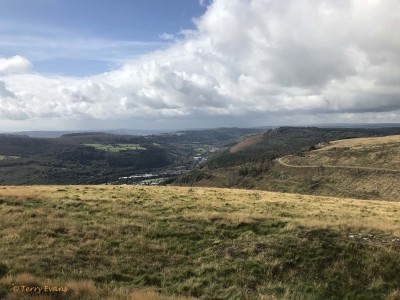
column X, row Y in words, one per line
column 156, row 64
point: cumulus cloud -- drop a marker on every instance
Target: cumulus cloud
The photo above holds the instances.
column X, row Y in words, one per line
column 10, row 105
column 15, row 64
column 4, row 92
column 246, row 58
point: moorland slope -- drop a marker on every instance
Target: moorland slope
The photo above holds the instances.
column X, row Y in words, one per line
column 124, row 242
column 364, row 168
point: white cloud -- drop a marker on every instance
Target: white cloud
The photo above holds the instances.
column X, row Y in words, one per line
column 15, row 64
column 167, row 36
column 4, row 92
column 204, row 2
column 247, row 58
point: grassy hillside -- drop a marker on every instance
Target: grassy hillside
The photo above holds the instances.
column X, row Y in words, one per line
column 364, row 168
column 121, row 242
column 374, row 152
column 287, row 140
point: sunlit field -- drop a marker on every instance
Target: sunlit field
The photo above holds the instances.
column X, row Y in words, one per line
column 122, row 242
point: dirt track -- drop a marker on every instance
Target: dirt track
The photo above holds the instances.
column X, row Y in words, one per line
column 279, row 160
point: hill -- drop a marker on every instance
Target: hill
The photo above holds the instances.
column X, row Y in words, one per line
column 123, row 242
column 373, row 153
column 97, row 157
column 72, row 160
column 365, row 168
column 287, row 160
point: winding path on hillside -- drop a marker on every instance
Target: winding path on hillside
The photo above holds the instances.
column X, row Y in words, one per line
column 279, row 160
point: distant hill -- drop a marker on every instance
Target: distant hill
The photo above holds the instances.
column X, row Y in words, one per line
column 102, row 157
column 226, row 157
column 125, row 131
column 358, row 125
column 71, row 159
column 256, row 165
column 128, row 131
column 56, row 134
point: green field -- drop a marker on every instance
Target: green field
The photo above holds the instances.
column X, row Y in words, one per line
column 117, row 147
column 123, row 242
column 3, row 157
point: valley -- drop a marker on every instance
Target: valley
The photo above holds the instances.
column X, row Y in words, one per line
column 199, row 150
column 98, row 158
column 287, row 213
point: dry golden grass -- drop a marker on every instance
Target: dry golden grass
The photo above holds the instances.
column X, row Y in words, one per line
column 84, row 289
column 209, row 204
column 125, row 242
column 374, row 152
column 363, row 142
column 151, row 295
column 365, row 168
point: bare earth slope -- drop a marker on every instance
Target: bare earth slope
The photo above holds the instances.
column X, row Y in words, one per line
column 247, row 142
column 123, row 242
